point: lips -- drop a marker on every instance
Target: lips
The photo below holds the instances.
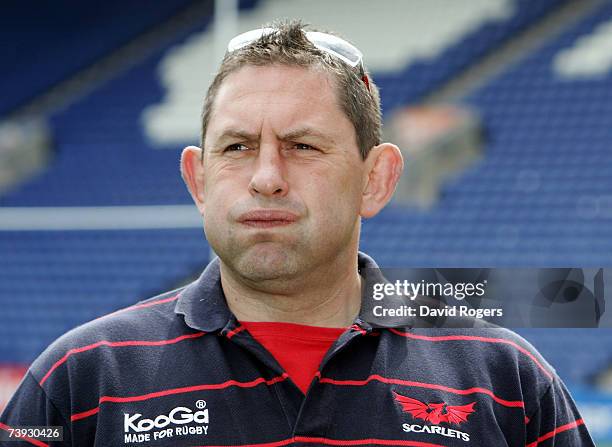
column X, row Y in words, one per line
column 267, row 218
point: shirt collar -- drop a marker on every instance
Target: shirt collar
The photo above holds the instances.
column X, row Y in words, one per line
column 203, row 302
column 204, row 306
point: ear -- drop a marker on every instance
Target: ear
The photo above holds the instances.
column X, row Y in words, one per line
column 192, row 170
column 384, row 166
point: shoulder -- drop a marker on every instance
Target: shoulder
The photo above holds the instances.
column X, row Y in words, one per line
column 495, row 355
column 491, row 358
column 148, row 320
column 113, row 355
column 494, row 344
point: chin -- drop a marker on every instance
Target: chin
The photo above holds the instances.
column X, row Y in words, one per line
column 266, row 262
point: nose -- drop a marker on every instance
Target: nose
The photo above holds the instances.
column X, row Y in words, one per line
column 269, row 178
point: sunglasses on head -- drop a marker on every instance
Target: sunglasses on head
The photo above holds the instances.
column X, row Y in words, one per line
column 334, row 45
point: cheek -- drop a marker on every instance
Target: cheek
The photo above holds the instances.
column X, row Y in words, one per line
column 223, row 182
column 219, row 195
column 336, row 197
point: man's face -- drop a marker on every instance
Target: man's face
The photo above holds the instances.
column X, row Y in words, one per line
column 283, row 177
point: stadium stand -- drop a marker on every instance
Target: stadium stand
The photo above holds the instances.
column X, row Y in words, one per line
column 540, row 197
column 47, row 45
column 427, row 74
column 104, row 126
column 53, row 281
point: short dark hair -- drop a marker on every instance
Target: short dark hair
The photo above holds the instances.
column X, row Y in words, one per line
column 288, row 45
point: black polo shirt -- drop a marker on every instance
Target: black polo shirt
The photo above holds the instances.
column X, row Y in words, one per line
column 179, row 370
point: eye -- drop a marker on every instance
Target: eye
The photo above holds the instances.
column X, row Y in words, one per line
column 237, row 147
column 303, row 147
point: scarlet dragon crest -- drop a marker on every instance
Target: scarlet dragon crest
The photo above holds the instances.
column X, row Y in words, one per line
column 437, row 412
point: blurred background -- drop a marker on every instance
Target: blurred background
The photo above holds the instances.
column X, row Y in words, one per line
column 503, row 109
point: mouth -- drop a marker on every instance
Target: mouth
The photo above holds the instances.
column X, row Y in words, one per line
column 267, row 218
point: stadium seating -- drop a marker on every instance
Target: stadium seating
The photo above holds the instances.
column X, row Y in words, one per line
column 52, row 281
column 45, row 46
column 101, row 134
column 421, row 78
column 565, row 350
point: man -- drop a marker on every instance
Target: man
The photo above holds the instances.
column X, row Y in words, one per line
column 267, row 347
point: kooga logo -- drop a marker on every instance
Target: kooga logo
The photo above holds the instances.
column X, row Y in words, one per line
column 178, row 416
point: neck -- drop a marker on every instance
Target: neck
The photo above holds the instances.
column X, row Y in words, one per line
column 330, row 296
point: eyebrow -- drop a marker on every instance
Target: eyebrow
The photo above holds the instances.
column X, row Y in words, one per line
column 240, row 134
column 306, row 132
column 244, row 135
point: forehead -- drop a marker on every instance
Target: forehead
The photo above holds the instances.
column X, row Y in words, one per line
column 280, row 97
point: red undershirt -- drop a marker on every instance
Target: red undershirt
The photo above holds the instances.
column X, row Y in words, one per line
column 299, row 349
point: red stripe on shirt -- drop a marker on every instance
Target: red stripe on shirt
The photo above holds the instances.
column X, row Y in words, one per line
column 556, row 431
column 186, row 389
column 340, row 442
column 23, row 438
column 85, row 414
column 356, row 327
column 327, row 441
column 143, row 305
column 140, row 306
column 115, row 344
column 233, row 332
column 264, row 444
column 475, row 338
column 151, row 303
column 433, row 386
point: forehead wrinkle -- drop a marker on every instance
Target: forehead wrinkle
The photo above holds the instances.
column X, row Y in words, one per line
column 229, row 99
column 243, row 134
